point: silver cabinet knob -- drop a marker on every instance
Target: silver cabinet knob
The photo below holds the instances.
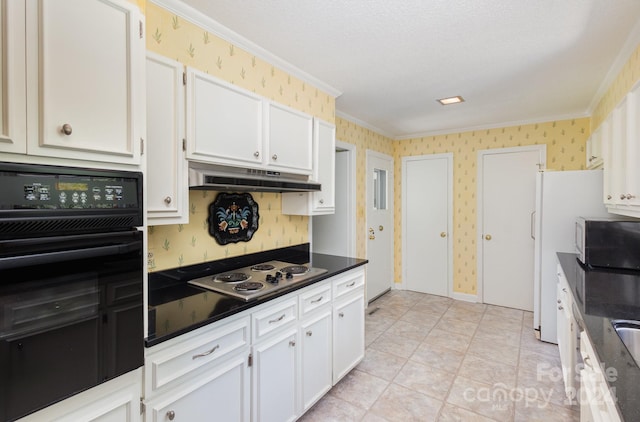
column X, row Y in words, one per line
column 292, row 343
column 560, row 308
column 623, row 196
column 321, row 201
column 341, row 314
column 256, row 154
column 309, row 333
column 66, row 129
column 608, row 197
column 167, row 200
column 629, row 196
column 171, row 415
column 275, row 157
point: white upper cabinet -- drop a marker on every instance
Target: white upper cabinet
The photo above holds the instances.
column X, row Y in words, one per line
column 289, row 137
column 167, row 177
column 324, row 172
column 621, row 134
column 13, row 118
column 594, row 149
column 224, row 122
column 85, row 63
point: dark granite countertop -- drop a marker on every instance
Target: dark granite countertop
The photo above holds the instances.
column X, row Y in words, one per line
column 603, row 296
column 176, row 307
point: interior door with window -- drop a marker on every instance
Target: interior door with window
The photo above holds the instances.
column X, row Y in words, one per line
column 379, row 224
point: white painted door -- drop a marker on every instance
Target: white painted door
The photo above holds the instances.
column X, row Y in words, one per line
column 427, row 222
column 379, row 224
column 507, row 192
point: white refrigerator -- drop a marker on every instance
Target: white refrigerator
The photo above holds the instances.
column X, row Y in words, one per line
column 561, row 196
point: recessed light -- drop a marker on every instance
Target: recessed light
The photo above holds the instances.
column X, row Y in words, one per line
column 451, row 100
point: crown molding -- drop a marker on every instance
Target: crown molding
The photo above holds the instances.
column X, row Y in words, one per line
column 493, row 126
column 206, row 22
column 363, row 124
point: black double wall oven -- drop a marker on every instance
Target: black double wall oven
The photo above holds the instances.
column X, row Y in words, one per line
column 71, row 282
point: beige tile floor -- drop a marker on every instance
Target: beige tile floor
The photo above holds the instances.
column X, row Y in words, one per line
column 430, row 358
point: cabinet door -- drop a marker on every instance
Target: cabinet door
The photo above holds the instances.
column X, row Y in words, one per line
column 13, row 117
column 275, row 378
column 618, row 153
column 289, row 135
column 224, row 122
column 325, row 167
column 220, row 393
column 608, row 162
column 348, row 335
column 316, row 373
column 167, row 178
column 86, row 57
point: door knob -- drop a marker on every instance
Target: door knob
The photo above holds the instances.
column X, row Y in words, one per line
column 488, row 237
column 443, row 234
column 372, row 233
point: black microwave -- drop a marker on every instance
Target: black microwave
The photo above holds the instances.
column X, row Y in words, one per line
column 608, row 242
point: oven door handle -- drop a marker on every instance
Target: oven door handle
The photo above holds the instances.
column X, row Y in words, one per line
column 70, row 255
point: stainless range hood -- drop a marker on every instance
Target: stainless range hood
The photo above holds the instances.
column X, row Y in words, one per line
column 216, row 177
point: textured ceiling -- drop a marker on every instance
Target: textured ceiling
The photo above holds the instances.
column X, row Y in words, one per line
column 512, row 60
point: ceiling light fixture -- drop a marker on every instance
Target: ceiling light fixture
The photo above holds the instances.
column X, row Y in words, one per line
column 451, row 100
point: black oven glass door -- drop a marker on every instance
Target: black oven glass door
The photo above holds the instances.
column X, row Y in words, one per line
column 70, row 316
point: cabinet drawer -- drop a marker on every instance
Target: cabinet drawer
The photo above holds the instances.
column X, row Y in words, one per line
column 348, row 283
column 315, row 298
column 274, row 317
column 187, row 356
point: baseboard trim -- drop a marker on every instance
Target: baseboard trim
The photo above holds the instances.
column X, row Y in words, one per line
column 466, row 297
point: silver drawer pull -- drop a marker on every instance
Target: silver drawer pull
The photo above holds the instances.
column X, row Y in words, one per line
column 586, row 362
column 317, row 300
column 277, row 319
column 171, row 415
column 353, row 283
column 207, row 353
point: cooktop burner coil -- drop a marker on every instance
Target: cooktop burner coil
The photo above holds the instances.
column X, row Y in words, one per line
column 231, row 277
column 262, row 267
column 248, row 286
column 295, row 269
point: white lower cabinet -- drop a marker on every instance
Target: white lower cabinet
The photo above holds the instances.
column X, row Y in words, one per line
column 316, row 360
column 269, row 363
column 117, row 400
column 348, row 323
column 597, row 404
column 219, row 393
column 274, row 372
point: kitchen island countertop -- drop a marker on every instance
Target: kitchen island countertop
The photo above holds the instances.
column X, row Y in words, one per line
column 601, row 297
column 176, row 307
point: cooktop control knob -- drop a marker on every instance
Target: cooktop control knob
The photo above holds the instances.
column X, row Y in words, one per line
column 271, row 279
column 289, row 275
column 278, row 274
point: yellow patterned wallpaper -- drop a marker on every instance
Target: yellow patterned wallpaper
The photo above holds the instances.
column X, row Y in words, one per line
column 184, row 244
column 623, row 83
column 174, row 37
column 565, row 142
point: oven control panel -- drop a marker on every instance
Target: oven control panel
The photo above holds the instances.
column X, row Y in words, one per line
column 55, row 191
